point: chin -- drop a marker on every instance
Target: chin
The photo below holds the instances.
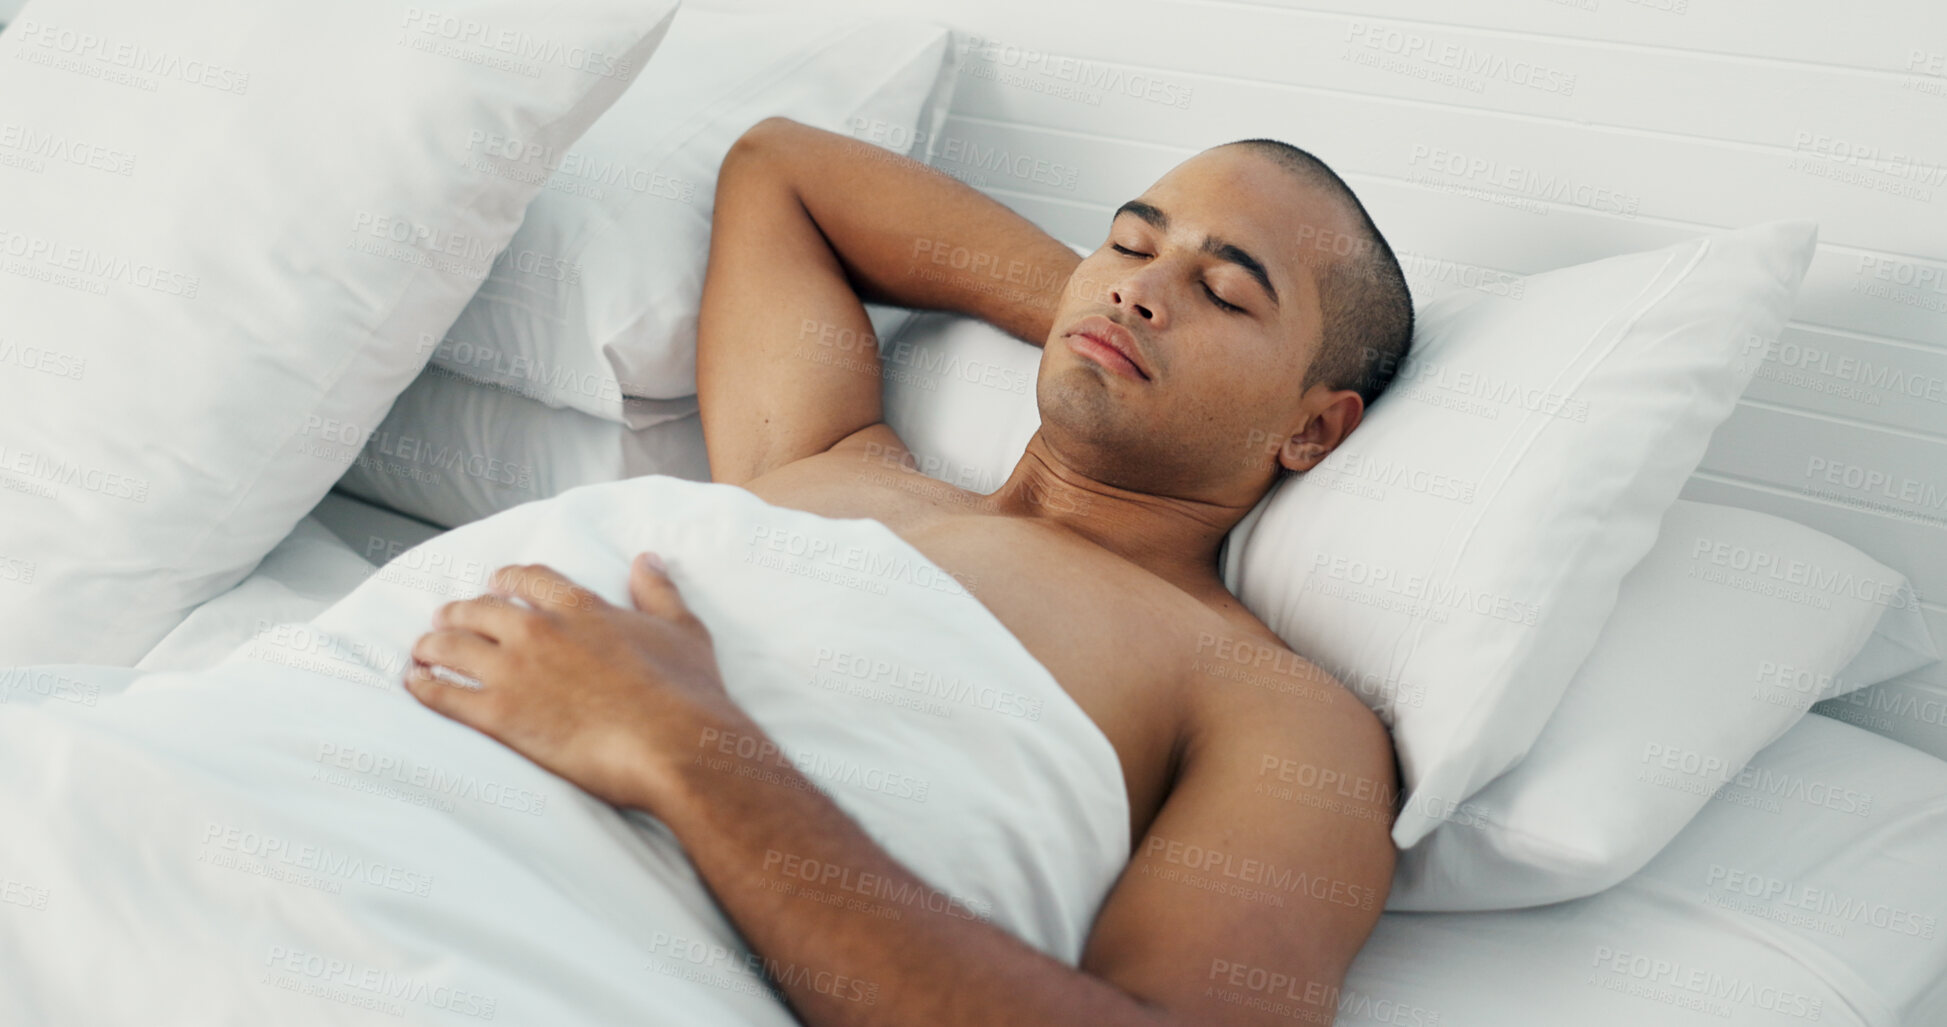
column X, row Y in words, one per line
column 1080, row 401
column 1099, row 433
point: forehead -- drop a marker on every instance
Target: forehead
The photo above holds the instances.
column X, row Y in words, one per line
column 1246, row 198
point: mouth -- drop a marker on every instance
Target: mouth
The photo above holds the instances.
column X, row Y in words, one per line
column 1108, row 344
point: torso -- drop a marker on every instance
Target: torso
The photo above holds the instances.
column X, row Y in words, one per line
column 1121, row 641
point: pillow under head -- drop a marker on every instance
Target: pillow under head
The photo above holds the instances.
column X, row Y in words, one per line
column 1454, row 560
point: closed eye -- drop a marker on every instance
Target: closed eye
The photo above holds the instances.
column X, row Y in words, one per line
column 1207, row 291
column 1219, row 301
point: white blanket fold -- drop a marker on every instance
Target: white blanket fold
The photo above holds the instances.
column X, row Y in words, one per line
column 289, row 838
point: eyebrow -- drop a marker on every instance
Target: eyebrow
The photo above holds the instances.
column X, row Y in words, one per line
column 1212, row 245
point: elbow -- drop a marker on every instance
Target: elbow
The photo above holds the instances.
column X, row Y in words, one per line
column 759, row 159
column 760, row 146
column 771, row 127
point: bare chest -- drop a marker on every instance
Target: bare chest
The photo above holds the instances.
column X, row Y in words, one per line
column 1115, row 638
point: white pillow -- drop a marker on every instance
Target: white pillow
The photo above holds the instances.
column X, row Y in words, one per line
column 304, row 574
column 1722, row 636
column 376, row 534
column 1574, row 413
column 299, row 208
column 1767, row 909
column 455, row 450
column 960, row 394
column 606, row 304
column 1454, row 560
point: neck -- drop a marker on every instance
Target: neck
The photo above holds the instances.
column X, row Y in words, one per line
column 1173, row 537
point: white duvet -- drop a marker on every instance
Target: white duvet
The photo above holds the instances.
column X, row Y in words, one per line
column 289, row 838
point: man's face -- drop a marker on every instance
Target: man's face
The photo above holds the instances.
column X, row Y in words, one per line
column 1211, row 274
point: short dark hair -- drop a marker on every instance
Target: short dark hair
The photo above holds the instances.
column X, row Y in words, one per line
column 1366, row 305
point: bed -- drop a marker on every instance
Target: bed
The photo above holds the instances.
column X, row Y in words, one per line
column 1803, row 884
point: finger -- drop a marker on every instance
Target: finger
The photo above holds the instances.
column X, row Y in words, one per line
column 458, row 649
column 493, row 616
column 652, row 588
column 455, row 701
column 544, row 587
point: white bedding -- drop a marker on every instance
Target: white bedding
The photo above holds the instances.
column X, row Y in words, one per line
column 1811, row 895
column 307, row 572
column 289, row 838
column 375, row 533
column 1681, row 942
column 336, row 546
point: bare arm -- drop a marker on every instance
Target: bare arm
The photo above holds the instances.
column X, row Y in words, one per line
column 1258, row 882
column 1240, row 907
column 808, row 225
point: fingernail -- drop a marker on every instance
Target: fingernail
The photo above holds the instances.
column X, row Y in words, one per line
column 653, row 562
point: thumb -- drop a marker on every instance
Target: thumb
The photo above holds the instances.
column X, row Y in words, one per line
column 651, row 588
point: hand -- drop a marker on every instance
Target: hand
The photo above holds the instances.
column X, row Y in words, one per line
column 605, row 696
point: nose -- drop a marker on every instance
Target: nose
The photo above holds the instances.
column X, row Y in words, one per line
column 1135, row 295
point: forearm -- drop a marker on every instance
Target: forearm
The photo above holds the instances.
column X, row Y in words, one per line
column 853, row 937
column 910, row 235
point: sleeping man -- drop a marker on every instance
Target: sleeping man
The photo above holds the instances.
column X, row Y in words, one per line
column 1232, row 329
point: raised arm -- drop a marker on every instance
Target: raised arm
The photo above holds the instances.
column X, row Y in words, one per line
column 809, row 225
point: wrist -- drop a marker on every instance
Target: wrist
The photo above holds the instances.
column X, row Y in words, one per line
column 692, row 757
column 1038, row 311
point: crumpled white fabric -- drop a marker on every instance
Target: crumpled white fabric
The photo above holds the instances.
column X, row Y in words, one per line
column 288, row 837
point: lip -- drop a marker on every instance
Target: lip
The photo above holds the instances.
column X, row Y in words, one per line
column 1106, row 334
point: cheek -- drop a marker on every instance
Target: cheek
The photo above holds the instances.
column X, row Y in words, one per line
column 1089, row 286
column 1238, row 405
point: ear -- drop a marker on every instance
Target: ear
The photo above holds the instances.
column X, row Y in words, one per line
column 1338, row 412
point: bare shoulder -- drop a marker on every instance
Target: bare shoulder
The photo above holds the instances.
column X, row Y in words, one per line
column 1310, row 739
column 867, row 473
column 1240, row 672
column 1272, row 855
column 874, row 441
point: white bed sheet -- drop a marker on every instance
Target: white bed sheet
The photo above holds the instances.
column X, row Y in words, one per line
column 1680, row 943
column 334, row 548
column 288, row 838
column 374, row 532
column 1842, row 835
